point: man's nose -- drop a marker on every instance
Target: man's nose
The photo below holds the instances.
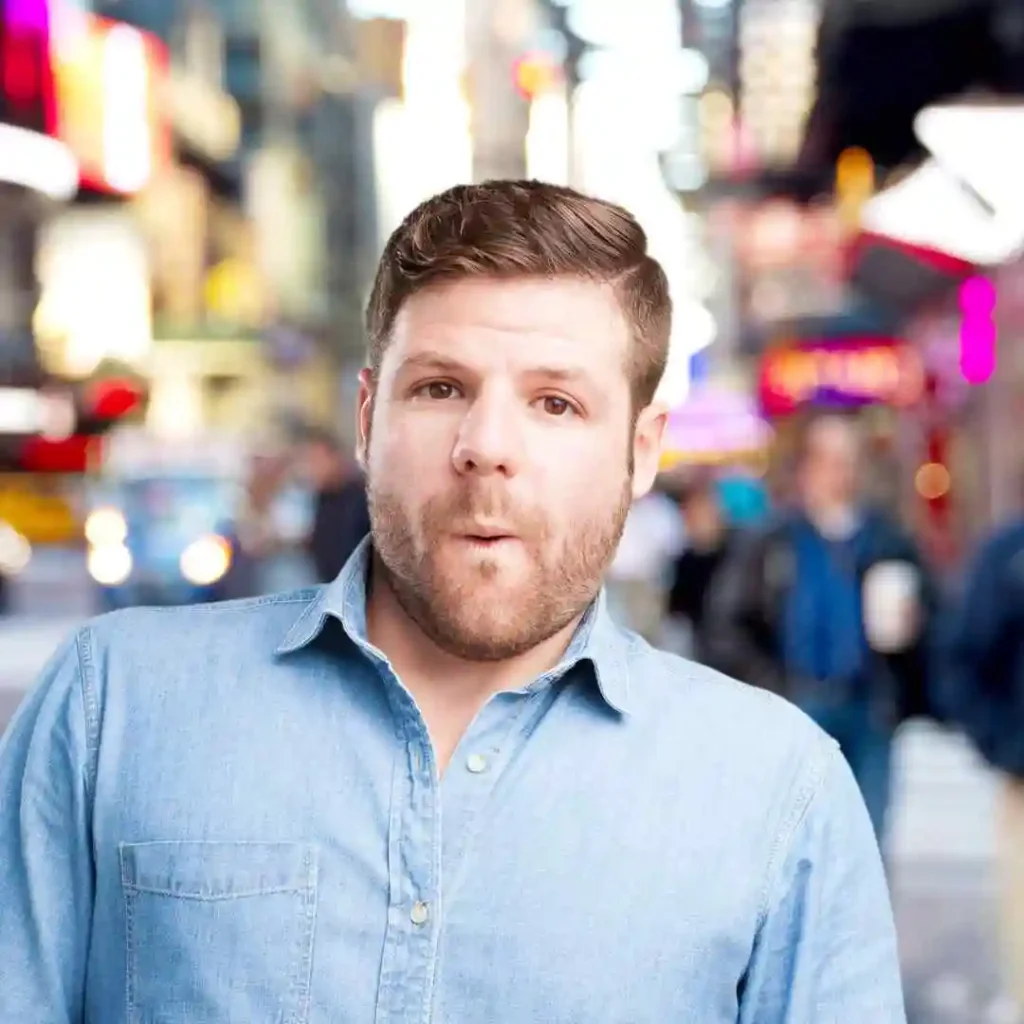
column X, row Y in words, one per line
column 489, row 438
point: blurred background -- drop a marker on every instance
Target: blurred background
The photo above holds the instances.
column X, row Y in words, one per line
column 193, row 196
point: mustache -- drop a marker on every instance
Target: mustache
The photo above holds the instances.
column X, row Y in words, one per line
column 474, row 504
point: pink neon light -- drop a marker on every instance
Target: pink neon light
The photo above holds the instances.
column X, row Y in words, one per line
column 27, row 13
column 977, row 330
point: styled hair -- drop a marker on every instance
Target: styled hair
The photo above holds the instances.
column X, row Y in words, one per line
column 514, row 229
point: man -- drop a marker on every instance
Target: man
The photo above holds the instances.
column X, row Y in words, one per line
column 341, row 518
column 830, row 606
column 983, row 692
column 446, row 786
column 709, row 540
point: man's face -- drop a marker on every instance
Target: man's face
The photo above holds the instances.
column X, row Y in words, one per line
column 829, row 474
column 501, row 458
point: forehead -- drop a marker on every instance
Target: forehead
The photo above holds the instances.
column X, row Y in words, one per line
column 495, row 325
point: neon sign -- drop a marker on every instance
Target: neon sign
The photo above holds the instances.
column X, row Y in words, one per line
column 26, row 80
column 845, row 373
column 977, row 330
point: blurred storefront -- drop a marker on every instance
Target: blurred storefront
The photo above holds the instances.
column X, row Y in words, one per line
column 971, row 475
column 38, row 173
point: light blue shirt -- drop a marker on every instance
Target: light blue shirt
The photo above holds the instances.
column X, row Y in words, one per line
column 231, row 814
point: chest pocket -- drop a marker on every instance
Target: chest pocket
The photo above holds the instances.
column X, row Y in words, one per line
column 219, row 932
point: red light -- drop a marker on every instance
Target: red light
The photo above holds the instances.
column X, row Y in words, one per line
column 69, row 456
column 112, row 399
column 22, row 78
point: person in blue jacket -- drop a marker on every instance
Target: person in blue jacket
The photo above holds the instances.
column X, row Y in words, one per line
column 981, row 689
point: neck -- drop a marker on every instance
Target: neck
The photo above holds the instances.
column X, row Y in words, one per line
column 434, row 674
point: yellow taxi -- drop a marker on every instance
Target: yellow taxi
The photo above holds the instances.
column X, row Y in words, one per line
column 39, row 509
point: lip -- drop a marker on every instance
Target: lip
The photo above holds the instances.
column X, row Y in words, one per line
column 487, row 533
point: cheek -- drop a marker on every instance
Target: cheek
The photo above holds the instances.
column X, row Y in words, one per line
column 582, row 485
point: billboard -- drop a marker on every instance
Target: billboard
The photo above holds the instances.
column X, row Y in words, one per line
column 848, row 372
column 110, row 80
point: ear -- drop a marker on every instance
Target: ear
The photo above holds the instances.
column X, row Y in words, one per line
column 364, row 415
column 647, row 445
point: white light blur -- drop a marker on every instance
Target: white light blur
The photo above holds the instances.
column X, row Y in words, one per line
column 547, row 139
column 906, row 212
column 38, row 163
column 423, row 143
column 21, row 411
column 15, row 551
column 692, row 72
column 206, row 561
column 111, row 565
column 27, row 411
column 983, row 146
column 175, row 408
column 625, row 118
column 58, row 418
column 106, row 527
column 127, row 142
column 94, row 278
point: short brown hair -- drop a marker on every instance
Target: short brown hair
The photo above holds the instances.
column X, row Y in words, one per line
column 509, row 229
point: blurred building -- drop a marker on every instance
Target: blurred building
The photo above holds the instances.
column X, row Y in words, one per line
column 37, row 172
column 838, row 285
column 260, row 295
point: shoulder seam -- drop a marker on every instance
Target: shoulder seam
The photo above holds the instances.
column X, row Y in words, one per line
column 90, row 706
column 807, row 790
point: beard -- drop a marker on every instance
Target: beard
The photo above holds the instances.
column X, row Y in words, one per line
column 485, row 607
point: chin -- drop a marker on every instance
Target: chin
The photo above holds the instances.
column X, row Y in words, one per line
column 486, row 570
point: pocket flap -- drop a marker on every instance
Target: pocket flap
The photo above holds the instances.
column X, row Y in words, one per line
column 217, row 870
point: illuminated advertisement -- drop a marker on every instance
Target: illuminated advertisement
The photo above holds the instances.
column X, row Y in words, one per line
column 109, row 78
column 29, row 154
column 851, row 372
column 26, row 77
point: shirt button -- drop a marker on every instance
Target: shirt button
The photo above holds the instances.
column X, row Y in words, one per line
column 419, row 913
column 476, row 763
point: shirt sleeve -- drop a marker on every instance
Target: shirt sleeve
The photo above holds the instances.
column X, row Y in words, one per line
column 826, row 952
column 46, row 882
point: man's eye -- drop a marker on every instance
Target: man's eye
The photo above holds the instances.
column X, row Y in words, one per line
column 555, row 406
column 438, row 390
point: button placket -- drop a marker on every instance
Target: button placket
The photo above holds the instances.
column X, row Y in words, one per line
column 415, row 859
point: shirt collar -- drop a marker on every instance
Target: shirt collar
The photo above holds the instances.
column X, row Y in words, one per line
column 598, row 641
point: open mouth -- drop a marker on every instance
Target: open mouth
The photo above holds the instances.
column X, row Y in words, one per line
column 489, row 541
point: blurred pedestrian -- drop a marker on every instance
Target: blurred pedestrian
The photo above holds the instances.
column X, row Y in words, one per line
column 709, row 538
column 639, row 575
column 253, row 535
column 982, row 685
column 341, row 518
column 832, row 607
column 446, row 785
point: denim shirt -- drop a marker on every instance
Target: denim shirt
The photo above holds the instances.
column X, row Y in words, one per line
column 232, row 814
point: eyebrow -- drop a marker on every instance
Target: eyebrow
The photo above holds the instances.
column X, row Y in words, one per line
column 432, row 361
column 438, row 363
